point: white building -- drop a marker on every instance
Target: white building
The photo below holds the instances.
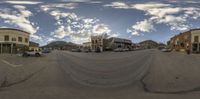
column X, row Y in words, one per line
column 195, row 40
column 13, row 40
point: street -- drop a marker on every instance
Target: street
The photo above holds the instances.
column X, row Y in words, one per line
column 125, row 75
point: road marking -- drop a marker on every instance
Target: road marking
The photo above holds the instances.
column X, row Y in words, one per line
column 12, row 65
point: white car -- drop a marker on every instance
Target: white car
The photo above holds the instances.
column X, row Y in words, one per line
column 32, row 53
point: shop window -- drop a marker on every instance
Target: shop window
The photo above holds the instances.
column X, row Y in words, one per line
column 26, row 40
column 6, row 38
column 196, row 39
column 20, row 39
column 182, row 45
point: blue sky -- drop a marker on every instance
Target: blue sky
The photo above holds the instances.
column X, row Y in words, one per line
column 77, row 20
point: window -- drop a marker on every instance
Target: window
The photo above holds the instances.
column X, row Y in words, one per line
column 14, row 39
column 26, row 40
column 20, row 39
column 196, row 39
column 6, row 38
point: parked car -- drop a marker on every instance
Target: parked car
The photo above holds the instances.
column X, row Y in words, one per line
column 76, row 50
column 98, row 50
column 32, row 53
column 125, row 49
column 86, row 50
column 166, row 50
column 118, row 50
column 46, row 51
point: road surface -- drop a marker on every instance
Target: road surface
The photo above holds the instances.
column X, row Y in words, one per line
column 106, row 75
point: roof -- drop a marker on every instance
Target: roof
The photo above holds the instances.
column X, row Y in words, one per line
column 14, row 30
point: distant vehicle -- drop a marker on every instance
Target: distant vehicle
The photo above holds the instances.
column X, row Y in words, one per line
column 76, row 50
column 46, row 51
column 32, row 53
column 98, row 50
column 166, row 50
column 118, row 50
column 126, row 49
column 86, row 50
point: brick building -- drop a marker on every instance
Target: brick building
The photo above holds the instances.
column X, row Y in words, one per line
column 189, row 40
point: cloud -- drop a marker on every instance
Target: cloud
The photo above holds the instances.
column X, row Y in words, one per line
column 101, row 29
column 176, row 17
column 23, row 2
column 76, row 28
column 118, row 5
column 58, row 5
column 144, row 26
column 81, row 1
column 18, row 17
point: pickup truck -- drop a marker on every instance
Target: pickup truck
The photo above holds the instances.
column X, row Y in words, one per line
column 32, row 53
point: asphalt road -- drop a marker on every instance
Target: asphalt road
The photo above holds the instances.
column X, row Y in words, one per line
column 91, row 76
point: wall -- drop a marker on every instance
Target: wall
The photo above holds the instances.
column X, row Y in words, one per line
column 14, row 34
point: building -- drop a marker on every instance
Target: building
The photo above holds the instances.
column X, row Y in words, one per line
column 181, row 42
column 33, row 46
column 13, row 40
column 148, row 44
column 103, row 43
column 87, row 45
column 114, row 43
column 189, row 40
column 195, row 40
column 97, row 43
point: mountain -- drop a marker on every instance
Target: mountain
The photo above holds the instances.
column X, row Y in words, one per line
column 61, row 45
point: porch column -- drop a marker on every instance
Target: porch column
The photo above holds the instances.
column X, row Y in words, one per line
column 11, row 48
column 1, row 48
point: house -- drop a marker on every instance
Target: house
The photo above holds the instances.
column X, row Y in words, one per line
column 33, row 46
column 114, row 43
column 87, row 45
column 181, row 42
column 13, row 40
column 148, row 44
column 195, row 41
column 97, row 43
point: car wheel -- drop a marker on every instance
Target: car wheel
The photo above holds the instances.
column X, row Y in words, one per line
column 37, row 55
column 25, row 55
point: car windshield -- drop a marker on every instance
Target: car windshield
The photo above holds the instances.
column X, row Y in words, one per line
column 99, row 49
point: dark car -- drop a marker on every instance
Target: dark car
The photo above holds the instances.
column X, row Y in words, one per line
column 46, row 51
column 76, row 50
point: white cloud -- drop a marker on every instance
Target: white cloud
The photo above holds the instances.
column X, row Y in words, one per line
column 54, row 6
column 144, row 26
column 76, row 28
column 23, row 2
column 101, row 29
column 119, row 5
column 20, row 18
column 176, row 17
column 85, row 1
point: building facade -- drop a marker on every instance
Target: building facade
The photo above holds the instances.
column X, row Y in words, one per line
column 181, row 42
column 189, row 40
column 33, row 46
column 195, row 40
column 148, row 44
column 114, row 43
column 87, row 45
column 13, row 40
column 97, row 43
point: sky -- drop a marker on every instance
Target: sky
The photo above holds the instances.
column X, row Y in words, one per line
column 76, row 20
